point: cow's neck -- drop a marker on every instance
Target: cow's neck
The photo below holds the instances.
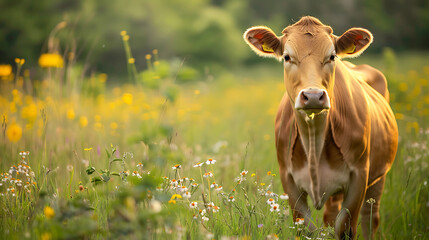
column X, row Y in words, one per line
column 312, row 131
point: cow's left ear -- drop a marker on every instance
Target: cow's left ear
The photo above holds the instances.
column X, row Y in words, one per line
column 353, row 42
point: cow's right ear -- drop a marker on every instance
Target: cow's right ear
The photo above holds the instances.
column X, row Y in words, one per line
column 264, row 42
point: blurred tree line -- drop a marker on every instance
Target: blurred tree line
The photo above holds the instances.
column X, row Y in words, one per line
column 203, row 32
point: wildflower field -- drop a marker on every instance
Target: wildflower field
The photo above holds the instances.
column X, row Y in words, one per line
column 176, row 152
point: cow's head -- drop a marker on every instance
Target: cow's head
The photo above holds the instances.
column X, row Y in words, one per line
column 309, row 53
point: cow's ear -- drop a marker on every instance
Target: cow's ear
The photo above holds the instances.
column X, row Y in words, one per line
column 264, row 42
column 353, row 42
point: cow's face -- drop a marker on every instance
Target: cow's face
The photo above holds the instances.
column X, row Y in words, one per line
column 309, row 64
column 309, row 53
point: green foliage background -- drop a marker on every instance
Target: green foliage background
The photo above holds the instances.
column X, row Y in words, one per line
column 203, row 32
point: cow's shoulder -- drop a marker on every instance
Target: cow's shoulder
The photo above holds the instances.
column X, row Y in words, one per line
column 370, row 75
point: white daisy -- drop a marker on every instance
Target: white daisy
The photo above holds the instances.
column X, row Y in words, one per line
column 198, row 164
column 193, row 205
column 187, row 195
column 210, row 161
column 271, row 201
column 275, row 207
column 284, row 196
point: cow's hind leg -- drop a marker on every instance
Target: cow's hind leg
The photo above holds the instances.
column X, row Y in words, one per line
column 370, row 209
column 332, row 208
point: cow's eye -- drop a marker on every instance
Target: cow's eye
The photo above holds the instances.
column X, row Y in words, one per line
column 287, row 58
column 332, row 58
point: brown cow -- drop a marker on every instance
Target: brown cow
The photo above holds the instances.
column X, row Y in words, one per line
column 336, row 135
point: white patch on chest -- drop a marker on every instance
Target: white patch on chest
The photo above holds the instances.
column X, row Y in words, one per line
column 331, row 180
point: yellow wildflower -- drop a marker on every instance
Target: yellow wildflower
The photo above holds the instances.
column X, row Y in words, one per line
column 46, row 236
column 49, row 212
column 5, row 70
column 269, row 173
column 88, row 149
column 125, row 37
column 266, row 137
column 83, row 121
column 70, row 114
column 20, row 61
column 113, row 125
column 148, row 56
column 51, row 60
column 102, row 77
column 123, row 33
column 403, row 87
column 127, row 98
column 175, row 196
column 131, row 60
column 399, row 116
column 30, row 112
column 14, row 132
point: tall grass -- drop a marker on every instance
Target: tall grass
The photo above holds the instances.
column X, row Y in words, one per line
column 123, row 162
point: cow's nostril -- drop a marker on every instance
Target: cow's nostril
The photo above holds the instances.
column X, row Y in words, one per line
column 322, row 96
column 304, row 97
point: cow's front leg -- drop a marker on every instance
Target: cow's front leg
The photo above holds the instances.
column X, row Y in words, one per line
column 297, row 200
column 347, row 219
column 369, row 211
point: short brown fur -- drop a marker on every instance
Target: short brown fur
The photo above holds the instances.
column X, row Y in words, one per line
column 338, row 157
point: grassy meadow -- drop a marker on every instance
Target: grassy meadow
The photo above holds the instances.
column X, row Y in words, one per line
column 178, row 153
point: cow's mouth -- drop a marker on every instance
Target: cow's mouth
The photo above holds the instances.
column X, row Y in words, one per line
column 311, row 113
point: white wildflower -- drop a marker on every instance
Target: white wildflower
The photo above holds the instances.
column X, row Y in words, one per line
column 275, row 207
column 210, row 161
column 193, row 205
column 271, row 201
column 284, row 196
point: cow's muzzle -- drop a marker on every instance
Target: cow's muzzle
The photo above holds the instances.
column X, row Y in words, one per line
column 312, row 100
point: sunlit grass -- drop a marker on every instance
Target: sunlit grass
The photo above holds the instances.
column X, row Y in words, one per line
column 133, row 160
